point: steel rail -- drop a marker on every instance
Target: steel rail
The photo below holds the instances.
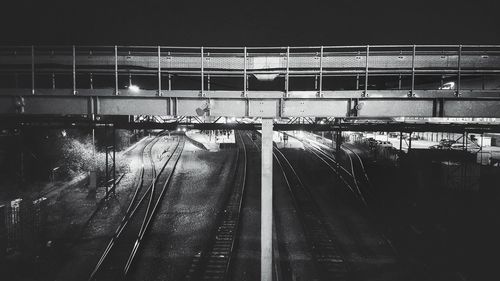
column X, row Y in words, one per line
column 324, row 245
column 214, row 262
column 152, row 213
column 131, row 212
column 351, row 174
column 125, row 217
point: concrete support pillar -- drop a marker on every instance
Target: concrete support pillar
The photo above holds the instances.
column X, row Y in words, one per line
column 266, row 215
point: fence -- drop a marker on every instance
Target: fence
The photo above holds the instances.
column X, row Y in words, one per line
column 22, row 225
column 79, row 69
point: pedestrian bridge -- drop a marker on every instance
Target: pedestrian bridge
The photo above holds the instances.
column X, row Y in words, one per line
column 269, row 82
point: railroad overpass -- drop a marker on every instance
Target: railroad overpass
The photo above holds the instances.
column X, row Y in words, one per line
column 266, row 84
column 269, row 82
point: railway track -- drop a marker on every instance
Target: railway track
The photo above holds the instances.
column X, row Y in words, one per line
column 214, row 262
column 328, row 255
column 150, row 143
column 359, row 186
column 362, row 189
column 122, row 249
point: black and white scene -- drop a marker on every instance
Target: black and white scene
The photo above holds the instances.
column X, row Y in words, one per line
column 340, row 140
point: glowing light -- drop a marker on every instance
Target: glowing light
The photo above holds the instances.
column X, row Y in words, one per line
column 448, row 86
column 134, row 88
column 183, row 129
column 63, row 133
column 178, row 129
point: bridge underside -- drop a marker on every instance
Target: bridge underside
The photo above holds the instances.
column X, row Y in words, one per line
column 267, row 82
column 284, row 124
column 261, row 88
column 379, row 103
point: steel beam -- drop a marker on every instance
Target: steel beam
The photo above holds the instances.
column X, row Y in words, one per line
column 266, row 225
column 267, row 104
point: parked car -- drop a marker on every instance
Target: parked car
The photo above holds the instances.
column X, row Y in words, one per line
column 385, row 143
column 413, row 137
column 436, row 146
column 461, row 146
column 446, row 143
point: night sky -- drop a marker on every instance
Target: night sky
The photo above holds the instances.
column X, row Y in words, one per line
column 250, row 23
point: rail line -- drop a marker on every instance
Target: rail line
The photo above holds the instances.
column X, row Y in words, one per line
column 328, row 255
column 325, row 157
column 118, row 257
column 349, row 177
column 138, row 180
column 214, row 262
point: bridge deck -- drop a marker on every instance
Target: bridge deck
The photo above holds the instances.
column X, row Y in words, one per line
column 386, row 81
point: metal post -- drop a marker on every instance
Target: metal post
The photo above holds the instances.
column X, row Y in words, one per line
column 465, row 141
column 93, row 144
column 413, row 70
column 481, row 148
column 366, row 70
column 74, row 70
column 287, row 77
column 245, row 71
column 338, row 144
column 202, row 72
column 459, row 69
column 266, row 230
column 400, row 141
column 321, row 72
column 357, row 81
column 116, row 70
column 409, row 141
column 107, row 157
column 91, row 81
column 159, row 71
column 169, row 82
column 32, row 70
column 3, row 231
column 114, row 158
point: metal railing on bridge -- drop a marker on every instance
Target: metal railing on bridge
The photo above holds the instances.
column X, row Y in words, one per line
column 153, row 68
column 182, row 74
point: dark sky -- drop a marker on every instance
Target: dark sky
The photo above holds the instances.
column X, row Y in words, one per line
column 251, row 23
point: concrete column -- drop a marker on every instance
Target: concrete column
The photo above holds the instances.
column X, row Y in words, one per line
column 266, row 215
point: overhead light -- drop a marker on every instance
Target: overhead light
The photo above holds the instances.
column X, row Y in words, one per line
column 134, row 88
column 266, row 77
column 448, row 86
